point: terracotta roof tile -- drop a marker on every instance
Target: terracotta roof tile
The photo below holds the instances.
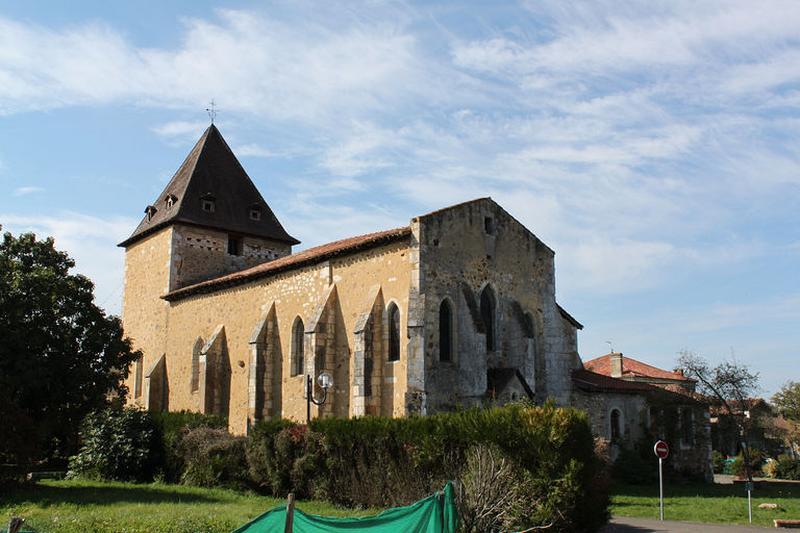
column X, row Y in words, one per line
column 592, row 381
column 632, row 367
column 297, row 260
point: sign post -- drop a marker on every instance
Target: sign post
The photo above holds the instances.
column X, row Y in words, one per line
column 661, row 449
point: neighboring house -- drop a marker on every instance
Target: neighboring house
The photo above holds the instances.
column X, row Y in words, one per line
column 633, row 404
column 616, row 365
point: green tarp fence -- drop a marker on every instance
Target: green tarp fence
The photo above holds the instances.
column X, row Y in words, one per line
column 434, row 514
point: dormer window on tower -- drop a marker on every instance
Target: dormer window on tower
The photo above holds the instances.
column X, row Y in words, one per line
column 170, row 200
column 208, row 203
column 150, row 211
column 255, row 213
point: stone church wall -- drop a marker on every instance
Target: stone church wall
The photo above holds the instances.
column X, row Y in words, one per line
column 200, row 254
column 144, row 314
column 462, row 250
column 302, row 293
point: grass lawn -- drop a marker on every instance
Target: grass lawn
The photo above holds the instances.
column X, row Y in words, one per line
column 707, row 503
column 104, row 507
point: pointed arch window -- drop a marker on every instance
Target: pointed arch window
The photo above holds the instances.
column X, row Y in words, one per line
column 369, row 339
column 445, row 331
column 488, row 313
column 394, row 332
column 298, row 334
column 196, row 350
column 137, row 377
column 530, row 326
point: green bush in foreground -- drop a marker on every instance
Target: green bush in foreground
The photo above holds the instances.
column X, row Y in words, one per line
column 213, row 458
column 380, row 462
column 117, row 444
column 133, row 445
column 173, row 427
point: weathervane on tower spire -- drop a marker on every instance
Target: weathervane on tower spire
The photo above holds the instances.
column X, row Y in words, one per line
column 212, row 110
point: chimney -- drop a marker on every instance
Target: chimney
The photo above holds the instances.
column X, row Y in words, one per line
column 616, row 364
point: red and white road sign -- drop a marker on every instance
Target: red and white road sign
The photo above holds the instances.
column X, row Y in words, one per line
column 661, row 449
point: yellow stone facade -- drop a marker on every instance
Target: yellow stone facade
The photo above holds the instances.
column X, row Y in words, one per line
column 337, row 291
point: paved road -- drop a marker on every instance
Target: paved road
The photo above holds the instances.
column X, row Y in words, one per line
column 642, row 525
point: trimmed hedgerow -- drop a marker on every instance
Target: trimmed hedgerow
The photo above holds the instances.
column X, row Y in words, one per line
column 379, row 462
column 173, row 427
column 213, row 458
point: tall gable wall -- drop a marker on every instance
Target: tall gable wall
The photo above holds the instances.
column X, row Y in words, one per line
column 462, row 250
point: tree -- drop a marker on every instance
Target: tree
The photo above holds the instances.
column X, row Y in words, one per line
column 731, row 384
column 60, row 355
column 787, row 401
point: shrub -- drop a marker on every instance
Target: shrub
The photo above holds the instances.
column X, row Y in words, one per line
column 770, row 468
column 631, row 467
column 375, row 461
column 490, row 491
column 117, row 444
column 213, row 457
column 756, row 460
column 717, row 462
column 172, row 428
column 787, row 468
column 272, row 448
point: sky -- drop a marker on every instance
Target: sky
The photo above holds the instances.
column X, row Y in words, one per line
column 652, row 145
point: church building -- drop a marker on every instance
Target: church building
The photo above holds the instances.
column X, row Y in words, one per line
column 457, row 308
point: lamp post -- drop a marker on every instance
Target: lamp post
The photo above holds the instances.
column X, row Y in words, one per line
column 325, row 381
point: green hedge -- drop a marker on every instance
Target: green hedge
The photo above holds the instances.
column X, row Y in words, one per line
column 379, row 462
column 364, row 462
column 133, row 445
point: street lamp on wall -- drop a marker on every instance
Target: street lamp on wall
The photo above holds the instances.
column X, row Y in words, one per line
column 325, row 381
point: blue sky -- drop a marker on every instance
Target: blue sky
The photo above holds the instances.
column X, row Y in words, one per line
column 653, row 146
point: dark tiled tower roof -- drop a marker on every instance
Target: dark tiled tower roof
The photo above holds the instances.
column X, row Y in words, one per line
column 211, row 170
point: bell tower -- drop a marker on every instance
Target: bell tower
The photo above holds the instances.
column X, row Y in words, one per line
column 209, row 220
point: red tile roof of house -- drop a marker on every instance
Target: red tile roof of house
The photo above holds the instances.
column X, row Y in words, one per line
column 300, row 259
column 632, row 367
column 592, row 381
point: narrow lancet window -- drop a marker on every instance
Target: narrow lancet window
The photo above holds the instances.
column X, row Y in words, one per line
column 394, row 333
column 488, row 306
column 298, row 332
column 445, row 332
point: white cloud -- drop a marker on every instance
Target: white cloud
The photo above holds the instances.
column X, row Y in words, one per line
column 255, row 150
column 627, row 136
column 180, row 129
column 254, row 64
column 24, row 191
